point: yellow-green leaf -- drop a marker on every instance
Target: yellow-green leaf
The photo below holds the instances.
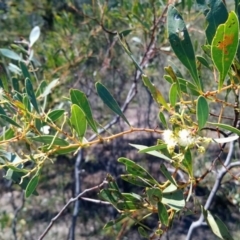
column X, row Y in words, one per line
column 224, row 46
column 78, row 120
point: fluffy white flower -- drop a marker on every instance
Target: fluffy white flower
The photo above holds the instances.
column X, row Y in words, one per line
column 185, row 138
column 169, row 139
column 45, row 129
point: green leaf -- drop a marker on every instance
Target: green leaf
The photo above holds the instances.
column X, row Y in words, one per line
column 78, row 120
column 2, row 111
column 132, row 197
column 129, row 205
column 217, row 226
column 154, row 195
column 181, row 43
column 108, row 99
column 202, row 111
column 173, row 94
column 9, row 120
column 203, row 61
column 17, row 176
column 63, row 151
column 156, row 94
column 10, row 54
column 187, row 162
column 163, row 119
column 216, row 15
column 31, row 94
column 165, row 172
column 162, row 213
column 79, row 98
column 32, row 185
column 8, row 134
column 153, row 148
column 142, row 232
column 135, row 180
column 41, row 87
column 174, row 200
column 115, row 221
column 225, row 45
column 153, row 153
column 226, row 127
column 135, row 169
column 50, row 139
column 55, row 115
column 108, row 195
column 25, row 70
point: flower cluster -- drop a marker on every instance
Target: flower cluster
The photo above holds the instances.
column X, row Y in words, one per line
column 183, row 138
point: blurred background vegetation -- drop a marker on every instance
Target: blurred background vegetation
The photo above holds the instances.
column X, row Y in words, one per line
column 78, row 46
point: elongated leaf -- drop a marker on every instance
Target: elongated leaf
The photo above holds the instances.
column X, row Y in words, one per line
column 79, row 98
column 153, row 153
column 78, row 120
column 132, row 197
column 50, row 139
column 16, row 178
column 25, row 71
column 129, row 205
column 135, row 169
column 162, row 213
column 225, row 45
column 203, row 61
column 2, row 110
column 62, row 151
column 202, row 111
column 215, row 16
column 142, row 232
column 108, row 99
column 153, row 148
column 32, row 185
column 135, row 180
column 188, row 163
column 154, row 195
column 55, row 115
column 217, row 226
column 227, row 139
column 8, row 134
column 156, row 94
column 163, row 119
column 173, row 94
column 34, row 35
column 10, row 54
column 226, row 127
column 181, row 42
column 115, row 221
column 49, row 87
column 174, row 200
column 31, row 94
column 9, row 120
column 167, row 174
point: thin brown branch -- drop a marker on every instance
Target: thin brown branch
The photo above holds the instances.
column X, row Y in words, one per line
column 66, row 206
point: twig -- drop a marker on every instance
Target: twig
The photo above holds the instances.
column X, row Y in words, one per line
column 66, row 206
column 16, row 212
column 76, row 192
column 227, row 166
column 95, row 201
